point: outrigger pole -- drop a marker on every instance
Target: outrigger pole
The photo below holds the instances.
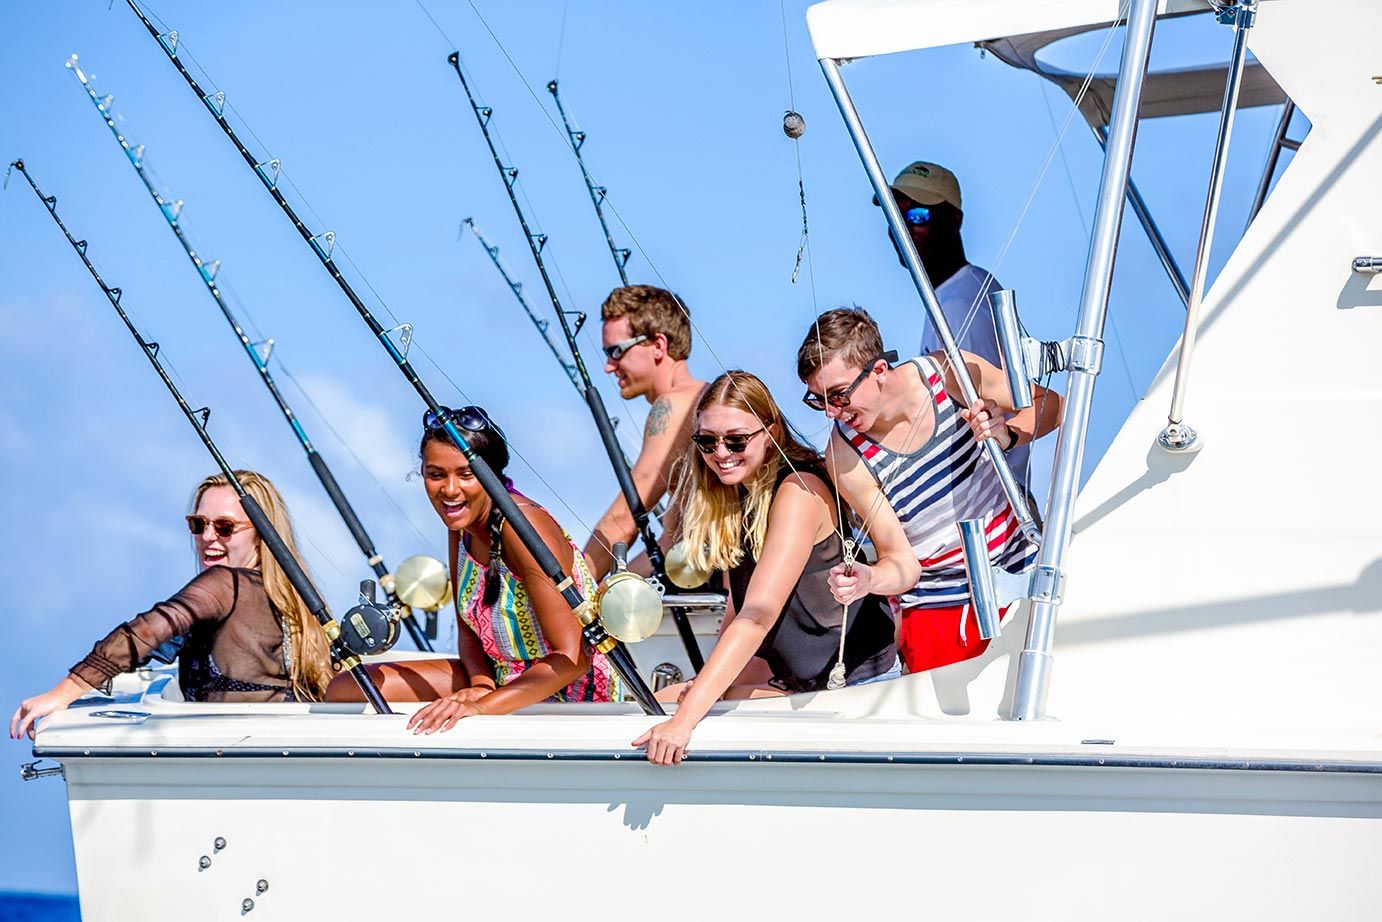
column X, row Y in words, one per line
column 583, row 609
column 170, row 212
column 198, row 418
column 576, row 138
column 536, row 242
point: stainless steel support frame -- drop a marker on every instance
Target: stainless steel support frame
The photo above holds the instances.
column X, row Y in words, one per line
column 1034, row 664
column 1149, row 226
column 1177, row 436
column 1279, row 141
column 882, row 190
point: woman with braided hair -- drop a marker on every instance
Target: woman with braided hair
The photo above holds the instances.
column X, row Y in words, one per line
column 517, row 641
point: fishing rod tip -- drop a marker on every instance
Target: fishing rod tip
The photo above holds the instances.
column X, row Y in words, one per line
column 454, row 59
column 552, row 87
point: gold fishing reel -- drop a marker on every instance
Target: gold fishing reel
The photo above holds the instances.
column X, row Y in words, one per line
column 630, row 608
column 422, row 582
column 680, row 571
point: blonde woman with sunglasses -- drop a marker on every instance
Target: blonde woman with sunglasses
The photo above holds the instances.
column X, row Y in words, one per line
column 756, row 503
column 246, row 634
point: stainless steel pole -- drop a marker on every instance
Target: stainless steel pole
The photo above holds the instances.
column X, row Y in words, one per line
column 883, row 191
column 1177, row 436
column 1153, row 231
column 1283, row 125
column 1086, row 355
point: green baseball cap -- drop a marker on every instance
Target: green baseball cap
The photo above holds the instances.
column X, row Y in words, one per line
column 928, row 184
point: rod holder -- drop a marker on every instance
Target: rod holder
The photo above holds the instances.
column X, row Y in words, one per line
column 979, row 571
column 1003, row 304
column 1368, row 265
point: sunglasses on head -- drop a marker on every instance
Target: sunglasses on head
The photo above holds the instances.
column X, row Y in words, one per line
column 471, row 419
column 734, row 444
column 223, row 527
column 615, row 351
column 839, row 399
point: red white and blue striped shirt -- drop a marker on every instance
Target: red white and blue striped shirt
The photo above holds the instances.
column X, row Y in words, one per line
column 944, row 481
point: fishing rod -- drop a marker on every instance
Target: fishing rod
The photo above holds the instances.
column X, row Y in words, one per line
column 622, row 472
column 576, row 138
column 592, row 629
column 597, row 409
column 542, row 325
column 171, row 212
column 517, row 288
column 344, row 655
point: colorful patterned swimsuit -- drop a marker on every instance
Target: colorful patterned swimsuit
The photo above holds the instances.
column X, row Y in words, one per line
column 510, row 632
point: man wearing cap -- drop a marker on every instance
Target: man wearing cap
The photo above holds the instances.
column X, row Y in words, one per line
column 928, row 195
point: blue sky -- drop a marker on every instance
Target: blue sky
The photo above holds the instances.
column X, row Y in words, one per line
column 683, row 108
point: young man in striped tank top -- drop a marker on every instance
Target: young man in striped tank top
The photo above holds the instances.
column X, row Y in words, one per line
column 902, row 446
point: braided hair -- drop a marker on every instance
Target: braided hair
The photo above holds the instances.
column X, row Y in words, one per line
column 492, row 447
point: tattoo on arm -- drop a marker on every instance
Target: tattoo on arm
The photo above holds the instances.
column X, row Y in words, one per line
column 658, row 417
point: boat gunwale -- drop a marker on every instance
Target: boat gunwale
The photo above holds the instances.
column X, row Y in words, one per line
column 789, row 757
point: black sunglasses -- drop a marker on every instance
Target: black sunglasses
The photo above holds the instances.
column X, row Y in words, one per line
column 734, row 444
column 471, row 419
column 840, row 399
column 615, row 351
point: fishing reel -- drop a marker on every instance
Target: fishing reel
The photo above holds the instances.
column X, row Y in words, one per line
column 629, row 606
column 680, row 571
column 422, row 582
column 370, row 627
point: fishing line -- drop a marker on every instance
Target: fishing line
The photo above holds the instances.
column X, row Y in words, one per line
column 522, row 190
column 561, row 37
column 172, row 212
column 1046, row 164
column 341, row 440
column 1084, row 229
column 282, row 177
column 944, row 362
column 656, row 272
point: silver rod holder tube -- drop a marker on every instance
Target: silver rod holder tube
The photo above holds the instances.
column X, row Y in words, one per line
column 883, row 191
column 1177, row 436
column 1368, row 265
column 1034, row 664
column 1003, row 304
column 1153, row 231
column 982, row 593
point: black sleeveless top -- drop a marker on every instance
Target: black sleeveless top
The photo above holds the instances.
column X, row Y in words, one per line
column 804, row 644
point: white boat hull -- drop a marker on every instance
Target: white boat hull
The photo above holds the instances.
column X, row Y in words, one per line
column 346, row 812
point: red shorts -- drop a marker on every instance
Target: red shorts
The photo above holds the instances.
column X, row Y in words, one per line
column 930, row 637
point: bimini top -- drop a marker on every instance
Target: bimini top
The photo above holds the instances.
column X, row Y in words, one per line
column 1169, row 92
column 863, row 28
column 1015, row 31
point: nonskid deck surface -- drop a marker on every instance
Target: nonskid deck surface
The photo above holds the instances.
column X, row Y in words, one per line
column 868, row 724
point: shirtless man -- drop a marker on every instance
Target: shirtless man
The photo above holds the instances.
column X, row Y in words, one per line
column 901, row 440
column 646, row 338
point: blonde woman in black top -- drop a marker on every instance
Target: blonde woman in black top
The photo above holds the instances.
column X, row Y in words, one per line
column 754, row 502
column 247, row 635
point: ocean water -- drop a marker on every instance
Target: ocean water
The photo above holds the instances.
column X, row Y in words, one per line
column 38, row 907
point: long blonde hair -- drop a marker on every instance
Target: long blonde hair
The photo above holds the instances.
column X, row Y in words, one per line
column 310, row 659
column 716, row 518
